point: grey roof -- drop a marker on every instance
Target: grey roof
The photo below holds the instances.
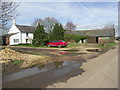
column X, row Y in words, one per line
column 98, row 32
column 26, row 29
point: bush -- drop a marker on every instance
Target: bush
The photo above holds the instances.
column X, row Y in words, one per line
column 71, row 37
column 57, row 33
column 17, row 61
column 35, row 42
column 39, row 35
column 24, row 44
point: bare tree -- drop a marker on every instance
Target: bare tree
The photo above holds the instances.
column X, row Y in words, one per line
column 36, row 21
column 48, row 23
column 109, row 26
column 8, row 12
column 70, row 26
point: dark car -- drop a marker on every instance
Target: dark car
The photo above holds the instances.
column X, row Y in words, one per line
column 58, row 43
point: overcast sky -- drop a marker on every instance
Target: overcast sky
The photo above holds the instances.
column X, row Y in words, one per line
column 87, row 16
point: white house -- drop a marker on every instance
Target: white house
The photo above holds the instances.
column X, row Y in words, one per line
column 20, row 34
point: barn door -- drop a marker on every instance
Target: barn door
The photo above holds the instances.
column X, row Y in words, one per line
column 97, row 40
column 5, row 41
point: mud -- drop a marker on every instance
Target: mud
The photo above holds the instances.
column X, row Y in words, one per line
column 64, row 65
column 54, row 55
column 43, row 75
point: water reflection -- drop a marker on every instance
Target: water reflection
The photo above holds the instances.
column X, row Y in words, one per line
column 71, row 50
column 58, row 64
column 74, row 54
column 59, row 68
column 93, row 50
column 41, row 66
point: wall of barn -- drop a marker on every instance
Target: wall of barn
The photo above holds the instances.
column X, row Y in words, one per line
column 106, row 39
column 91, row 40
column 112, row 39
column 100, row 40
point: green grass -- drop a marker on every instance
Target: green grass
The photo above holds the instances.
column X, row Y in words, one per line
column 71, row 51
column 69, row 45
column 31, row 45
column 41, row 66
column 108, row 45
column 100, row 46
column 34, row 46
column 73, row 44
column 27, row 45
column 39, row 46
column 112, row 44
column 17, row 62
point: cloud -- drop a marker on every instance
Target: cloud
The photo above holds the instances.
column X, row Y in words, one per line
column 96, row 13
column 66, row 0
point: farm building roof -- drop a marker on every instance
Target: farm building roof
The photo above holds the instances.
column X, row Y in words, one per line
column 97, row 32
column 26, row 29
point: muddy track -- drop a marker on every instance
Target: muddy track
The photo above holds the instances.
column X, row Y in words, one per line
column 42, row 79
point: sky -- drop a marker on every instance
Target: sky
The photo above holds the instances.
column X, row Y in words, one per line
column 86, row 15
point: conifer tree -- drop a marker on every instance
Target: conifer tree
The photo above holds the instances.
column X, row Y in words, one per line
column 58, row 32
column 39, row 35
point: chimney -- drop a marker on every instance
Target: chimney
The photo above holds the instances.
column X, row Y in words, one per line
column 14, row 22
column 37, row 24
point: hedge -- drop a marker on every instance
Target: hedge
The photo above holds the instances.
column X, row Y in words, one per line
column 71, row 37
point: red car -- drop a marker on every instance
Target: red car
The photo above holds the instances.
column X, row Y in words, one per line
column 58, row 43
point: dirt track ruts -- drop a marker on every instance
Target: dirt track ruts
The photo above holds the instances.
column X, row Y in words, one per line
column 100, row 72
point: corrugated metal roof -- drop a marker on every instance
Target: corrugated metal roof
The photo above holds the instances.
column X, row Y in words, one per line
column 97, row 32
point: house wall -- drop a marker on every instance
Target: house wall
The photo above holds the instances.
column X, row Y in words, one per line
column 23, row 38
column 29, row 37
column 15, row 37
column 20, row 37
column 13, row 29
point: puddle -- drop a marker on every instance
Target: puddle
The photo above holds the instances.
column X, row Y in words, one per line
column 53, row 50
column 44, row 75
column 72, row 54
column 93, row 50
column 71, row 50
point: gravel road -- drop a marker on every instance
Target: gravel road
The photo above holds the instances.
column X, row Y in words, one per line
column 100, row 72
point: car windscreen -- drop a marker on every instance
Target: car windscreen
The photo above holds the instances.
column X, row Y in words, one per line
column 63, row 41
column 56, row 41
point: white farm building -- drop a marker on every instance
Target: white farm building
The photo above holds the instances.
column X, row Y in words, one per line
column 19, row 34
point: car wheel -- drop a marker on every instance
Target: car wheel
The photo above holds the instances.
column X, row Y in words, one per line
column 59, row 46
column 48, row 45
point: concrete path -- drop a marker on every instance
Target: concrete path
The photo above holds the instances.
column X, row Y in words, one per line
column 100, row 72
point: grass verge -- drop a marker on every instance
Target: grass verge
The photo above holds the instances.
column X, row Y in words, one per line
column 73, row 44
column 17, row 62
column 110, row 45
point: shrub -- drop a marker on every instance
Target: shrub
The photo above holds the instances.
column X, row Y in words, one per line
column 57, row 33
column 24, row 44
column 39, row 35
column 71, row 37
column 17, row 61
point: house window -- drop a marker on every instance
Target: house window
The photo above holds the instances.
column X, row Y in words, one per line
column 26, row 40
column 26, row 34
column 16, row 40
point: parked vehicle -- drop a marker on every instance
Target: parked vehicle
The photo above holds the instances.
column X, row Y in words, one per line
column 58, row 43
